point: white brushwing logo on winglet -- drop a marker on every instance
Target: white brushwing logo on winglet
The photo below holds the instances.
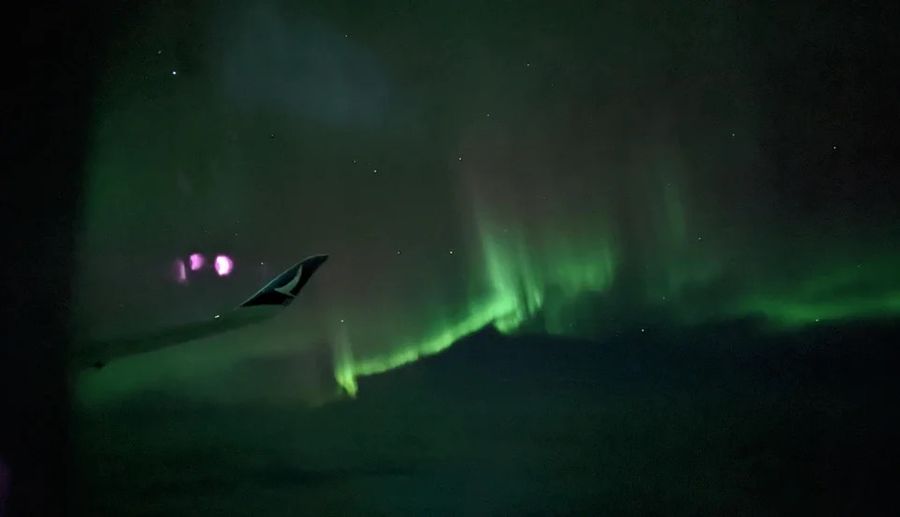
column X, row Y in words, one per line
column 285, row 288
column 288, row 288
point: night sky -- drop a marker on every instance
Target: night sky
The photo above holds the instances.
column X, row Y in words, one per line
column 584, row 256
column 570, row 170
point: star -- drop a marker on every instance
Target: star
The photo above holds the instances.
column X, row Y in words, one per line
column 159, row 52
column 451, row 252
column 398, row 252
column 342, row 320
column 643, row 330
column 488, row 115
column 375, row 171
column 834, row 148
column 459, row 158
column 174, row 72
column 732, row 135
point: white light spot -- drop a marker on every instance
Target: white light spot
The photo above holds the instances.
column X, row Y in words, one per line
column 174, row 72
column 224, row 265
column 451, row 252
column 643, row 330
column 217, row 316
column 375, row 171
column 459, row 158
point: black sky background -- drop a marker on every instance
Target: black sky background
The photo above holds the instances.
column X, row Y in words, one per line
column 831, row 66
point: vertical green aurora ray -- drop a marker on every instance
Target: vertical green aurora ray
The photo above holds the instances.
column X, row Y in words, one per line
column 516, row 281
column 528, row 245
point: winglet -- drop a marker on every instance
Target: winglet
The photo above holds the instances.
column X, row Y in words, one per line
column 284, row 288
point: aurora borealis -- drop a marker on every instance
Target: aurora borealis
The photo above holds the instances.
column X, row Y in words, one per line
column 539, row 170
column 584, row 258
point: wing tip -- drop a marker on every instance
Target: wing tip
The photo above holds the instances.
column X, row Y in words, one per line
column 284, row 288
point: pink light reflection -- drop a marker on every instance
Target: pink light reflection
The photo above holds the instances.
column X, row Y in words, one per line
column 197, row 261
column 224, row 265
column 180, row 271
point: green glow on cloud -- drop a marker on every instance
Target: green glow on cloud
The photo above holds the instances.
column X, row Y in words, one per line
column 841, row 292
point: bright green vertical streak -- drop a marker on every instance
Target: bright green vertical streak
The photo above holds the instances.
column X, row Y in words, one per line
column 516, row 280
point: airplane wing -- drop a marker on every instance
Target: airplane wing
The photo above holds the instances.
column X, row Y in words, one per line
column 261, row 306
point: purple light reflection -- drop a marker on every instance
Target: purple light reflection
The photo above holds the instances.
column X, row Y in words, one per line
column 180, row 271
column 197, row 261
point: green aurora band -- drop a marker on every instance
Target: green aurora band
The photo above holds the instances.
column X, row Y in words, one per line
column 517, row 282
column 556, row 224
column 518, row 277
